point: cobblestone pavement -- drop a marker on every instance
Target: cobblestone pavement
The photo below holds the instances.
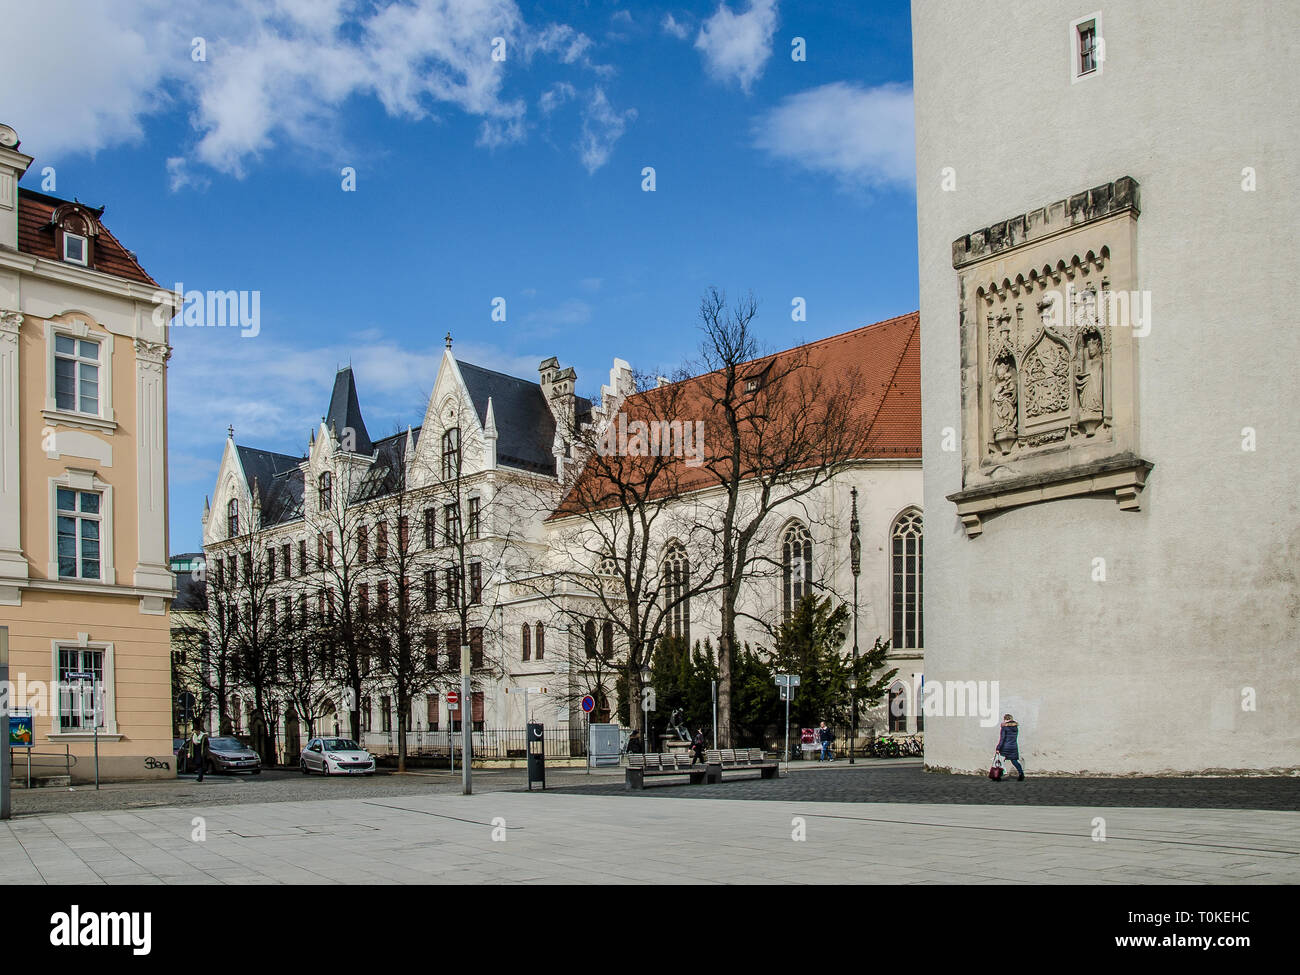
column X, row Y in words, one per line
column 906, row 782
column 270, row 786
column 896, row 781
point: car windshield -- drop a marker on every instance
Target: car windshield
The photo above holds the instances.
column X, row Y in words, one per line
column 341, row 745
column 226, row 745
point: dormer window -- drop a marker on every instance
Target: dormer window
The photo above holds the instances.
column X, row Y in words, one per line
column 75, row 250
column 75, row 228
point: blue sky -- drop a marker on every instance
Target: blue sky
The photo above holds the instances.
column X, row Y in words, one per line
column 475, row 179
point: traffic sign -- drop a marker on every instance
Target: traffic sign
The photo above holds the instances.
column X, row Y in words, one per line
column 589, row 704
column 453, row 701
column 787, row 680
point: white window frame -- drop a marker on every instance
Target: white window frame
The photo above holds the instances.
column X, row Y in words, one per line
column 105, row 419
column 85, row 249
column 1077, row 73
column 109, row 728
column 79, row 480
column 919, row 619
column 80, row 518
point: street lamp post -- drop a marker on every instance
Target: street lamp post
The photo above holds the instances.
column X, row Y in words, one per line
column 855, row 563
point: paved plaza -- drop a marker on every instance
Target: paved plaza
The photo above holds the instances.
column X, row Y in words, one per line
column 819, row 825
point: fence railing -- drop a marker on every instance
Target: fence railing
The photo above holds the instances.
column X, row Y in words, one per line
column 495, row 743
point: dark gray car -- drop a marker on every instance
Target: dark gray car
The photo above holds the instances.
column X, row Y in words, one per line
column 232, row 755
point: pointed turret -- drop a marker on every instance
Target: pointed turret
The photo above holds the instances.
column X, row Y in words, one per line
column 344, row 415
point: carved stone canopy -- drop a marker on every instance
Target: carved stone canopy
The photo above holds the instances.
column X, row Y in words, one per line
column 1049, row 305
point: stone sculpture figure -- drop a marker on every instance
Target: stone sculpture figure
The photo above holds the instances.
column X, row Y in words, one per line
column 1004, row 403
column 1089, row 381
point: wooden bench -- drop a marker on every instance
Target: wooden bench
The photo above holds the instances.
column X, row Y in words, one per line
column 719, row 760
column 640, row 767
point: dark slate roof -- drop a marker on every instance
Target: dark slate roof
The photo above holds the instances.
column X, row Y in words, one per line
column 278, row 480
column 345, row 410
column 191, row 595
column 387, row 475
column 525, row 425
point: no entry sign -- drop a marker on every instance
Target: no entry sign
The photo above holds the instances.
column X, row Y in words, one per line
column 453, row 700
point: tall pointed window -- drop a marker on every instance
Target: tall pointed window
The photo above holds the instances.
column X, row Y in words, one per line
column 906, row 582
column 451, row 454
column 326, row 490
column 677, row 573
column 232, row 518
column 796, row 567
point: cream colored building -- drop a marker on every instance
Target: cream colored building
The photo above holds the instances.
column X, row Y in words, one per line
column 84, row 579
column 1106, row 196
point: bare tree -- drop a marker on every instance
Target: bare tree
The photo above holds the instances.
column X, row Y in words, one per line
column 777, row 428
column 336, row 523
column 623, row 510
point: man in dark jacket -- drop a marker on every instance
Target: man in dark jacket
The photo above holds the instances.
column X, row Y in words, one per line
column 827, row 738
column 697, row 748
column 1009, row 744
column 634, row 744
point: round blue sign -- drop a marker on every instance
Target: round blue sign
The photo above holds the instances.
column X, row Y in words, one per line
column 589, row 704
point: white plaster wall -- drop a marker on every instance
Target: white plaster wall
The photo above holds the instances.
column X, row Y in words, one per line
column 1144, row 672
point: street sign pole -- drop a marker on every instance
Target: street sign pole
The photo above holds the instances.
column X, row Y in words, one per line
column 466, row 712
column 4, row 723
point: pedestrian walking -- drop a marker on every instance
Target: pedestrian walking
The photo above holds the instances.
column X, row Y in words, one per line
column 697, row 748
column 634, row 744
column 1009, row 744
column 828, row 741
column 199, row 749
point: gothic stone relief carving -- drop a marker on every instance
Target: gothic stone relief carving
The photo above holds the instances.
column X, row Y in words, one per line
column 1049, row 354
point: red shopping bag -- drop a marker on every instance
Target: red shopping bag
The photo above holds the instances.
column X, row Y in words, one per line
column 995, row 772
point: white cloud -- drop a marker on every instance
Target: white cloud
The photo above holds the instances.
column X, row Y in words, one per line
column 736, row 47
column 602, row 126
column 863, row 136
column 671, row 27
column 274, row 74
column 555, row 96
column 78, row 77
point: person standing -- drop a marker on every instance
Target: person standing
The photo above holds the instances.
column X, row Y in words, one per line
column 828, row 740
column 1009, row 744
column 634, row 744
column 199, row 749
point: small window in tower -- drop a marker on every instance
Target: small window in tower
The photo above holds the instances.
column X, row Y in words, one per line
column 1087, row 49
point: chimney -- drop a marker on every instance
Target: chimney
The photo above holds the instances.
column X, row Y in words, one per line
column 12, row 166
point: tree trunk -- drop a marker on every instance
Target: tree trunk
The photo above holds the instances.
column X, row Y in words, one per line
column 726, row 647
column 402, row 708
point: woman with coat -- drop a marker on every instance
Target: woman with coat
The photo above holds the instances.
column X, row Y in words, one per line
column 1008, row 744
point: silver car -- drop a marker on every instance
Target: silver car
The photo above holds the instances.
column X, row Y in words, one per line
column 336, row 756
